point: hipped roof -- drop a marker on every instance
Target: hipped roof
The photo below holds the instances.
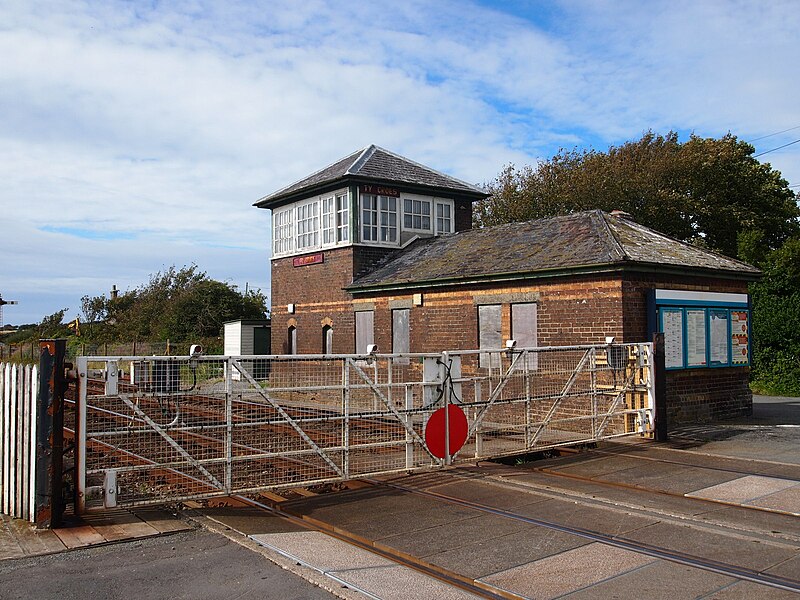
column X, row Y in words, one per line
column 373, row 165
column 588, row 241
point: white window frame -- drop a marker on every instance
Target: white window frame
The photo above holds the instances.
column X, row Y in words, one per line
column 311, row 224
column 435, row 219
column 327, row 220
column 307, row 225
column 342, row 218
column 421, row 215
column 382, row 219
column 282, row 231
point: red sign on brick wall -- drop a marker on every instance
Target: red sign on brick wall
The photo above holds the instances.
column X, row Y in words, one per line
column 308, row 259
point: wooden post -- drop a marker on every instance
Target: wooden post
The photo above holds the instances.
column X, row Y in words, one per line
column 50, row 434
column 660, row 387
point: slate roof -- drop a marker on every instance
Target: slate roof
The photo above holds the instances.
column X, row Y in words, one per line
column 374, row 164
column 580, row 242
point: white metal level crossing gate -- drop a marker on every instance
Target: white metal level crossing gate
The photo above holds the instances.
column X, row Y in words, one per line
column 155, row 429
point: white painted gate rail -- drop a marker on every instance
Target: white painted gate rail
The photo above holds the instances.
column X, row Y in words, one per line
column 154, row 429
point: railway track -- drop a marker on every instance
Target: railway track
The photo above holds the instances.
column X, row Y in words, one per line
column 650, row 550
column 452, row 577
column 296, row 512
column 690, row 458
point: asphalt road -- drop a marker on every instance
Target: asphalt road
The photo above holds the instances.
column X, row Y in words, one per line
column 195, row 564
column 771, row 433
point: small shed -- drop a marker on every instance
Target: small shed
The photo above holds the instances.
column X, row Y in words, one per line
column 246, row 337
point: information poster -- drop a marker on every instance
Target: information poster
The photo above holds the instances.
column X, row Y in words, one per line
column 740, row 338
column 695, row 337
column 672, row 324
column 719, row 342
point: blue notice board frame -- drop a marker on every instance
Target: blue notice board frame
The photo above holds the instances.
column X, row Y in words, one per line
column 702, row 329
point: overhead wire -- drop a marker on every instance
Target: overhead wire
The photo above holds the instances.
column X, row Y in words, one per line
column 773, row 149
column 763, row 137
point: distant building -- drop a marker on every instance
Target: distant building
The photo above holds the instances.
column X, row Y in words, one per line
column 379, row 249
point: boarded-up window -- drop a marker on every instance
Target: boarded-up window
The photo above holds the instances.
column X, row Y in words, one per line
column 291, row 341
column 489, row 335
column 365, row 331
column 327, row 339
column 400, row 332
column 523, row 329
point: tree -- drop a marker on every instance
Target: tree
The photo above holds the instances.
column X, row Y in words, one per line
column 776, row 322
column 710, row 192
column 176, row 304
column 52, row 326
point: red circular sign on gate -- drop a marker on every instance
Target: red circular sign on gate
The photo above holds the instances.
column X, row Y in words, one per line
column 435, row 430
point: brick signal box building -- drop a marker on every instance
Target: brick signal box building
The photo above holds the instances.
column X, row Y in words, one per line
column 376, row 248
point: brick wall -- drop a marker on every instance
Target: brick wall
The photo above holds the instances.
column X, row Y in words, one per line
column 701, row 395
column 316, row 291
column 463, row 216
column 366, row 258
column 571, row 310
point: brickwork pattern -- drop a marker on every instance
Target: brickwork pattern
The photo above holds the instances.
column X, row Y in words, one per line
column 571, row 310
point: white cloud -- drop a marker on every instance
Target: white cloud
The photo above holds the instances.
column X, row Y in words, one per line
column 160, row 124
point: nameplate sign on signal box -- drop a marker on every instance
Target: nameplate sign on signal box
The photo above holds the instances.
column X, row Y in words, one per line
column 308, row 259
column 380, row 190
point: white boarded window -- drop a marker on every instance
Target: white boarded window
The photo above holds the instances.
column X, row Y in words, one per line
column 401, row 340
column 291, row 341
column 365, row 330
column 327, row 339
column 524, row 328
column 489, row 334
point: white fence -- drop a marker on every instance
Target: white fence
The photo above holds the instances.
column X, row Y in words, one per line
column 19, row 387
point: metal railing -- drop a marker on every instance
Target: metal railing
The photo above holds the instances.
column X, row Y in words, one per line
column 152, row 429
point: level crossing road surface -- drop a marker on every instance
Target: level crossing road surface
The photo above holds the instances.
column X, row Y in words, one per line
column 714, row 513
column 195, row 564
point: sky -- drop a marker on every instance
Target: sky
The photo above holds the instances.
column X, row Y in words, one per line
column 136, row 135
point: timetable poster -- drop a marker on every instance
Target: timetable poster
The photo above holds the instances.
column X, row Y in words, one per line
column 672, row 323
column 719, row 336
column 740, row 337
column 695, row 337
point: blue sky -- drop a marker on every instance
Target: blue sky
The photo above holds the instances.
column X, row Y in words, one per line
column 137, row 135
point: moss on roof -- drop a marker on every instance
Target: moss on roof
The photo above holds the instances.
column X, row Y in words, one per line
column 590, row 240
